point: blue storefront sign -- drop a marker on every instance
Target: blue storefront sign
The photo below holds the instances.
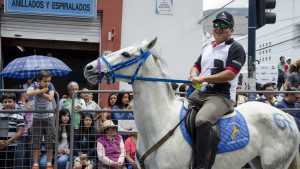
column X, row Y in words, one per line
column 71, row 8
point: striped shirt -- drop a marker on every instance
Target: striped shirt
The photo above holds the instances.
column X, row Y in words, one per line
column 41, row 103
column 9, row 123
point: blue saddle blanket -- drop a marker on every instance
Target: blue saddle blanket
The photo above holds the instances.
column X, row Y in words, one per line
column 233, row 130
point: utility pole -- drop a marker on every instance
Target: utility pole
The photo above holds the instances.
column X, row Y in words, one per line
column 251, row 48
column 258, row 17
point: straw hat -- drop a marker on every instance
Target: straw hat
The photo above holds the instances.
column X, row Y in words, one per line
column 107, row 124
column 296, row 63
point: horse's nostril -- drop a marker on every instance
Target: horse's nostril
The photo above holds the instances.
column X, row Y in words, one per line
column 90, row 67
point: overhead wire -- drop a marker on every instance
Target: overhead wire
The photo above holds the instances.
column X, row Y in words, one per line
column 201, row 20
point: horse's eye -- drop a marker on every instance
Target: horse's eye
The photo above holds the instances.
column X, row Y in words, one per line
column 125, row 54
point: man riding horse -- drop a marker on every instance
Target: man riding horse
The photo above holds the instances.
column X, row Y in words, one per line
column 218, row 67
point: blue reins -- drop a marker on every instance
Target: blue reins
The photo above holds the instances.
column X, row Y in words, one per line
column 110, row 74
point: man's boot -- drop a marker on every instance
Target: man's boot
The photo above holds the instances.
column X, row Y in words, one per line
column 203, row 145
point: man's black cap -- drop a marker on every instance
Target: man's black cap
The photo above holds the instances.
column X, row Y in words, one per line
column 226, row 17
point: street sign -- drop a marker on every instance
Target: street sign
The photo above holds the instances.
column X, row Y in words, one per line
column 74, row 8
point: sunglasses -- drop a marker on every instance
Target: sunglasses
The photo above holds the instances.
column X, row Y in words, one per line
column 222, row 25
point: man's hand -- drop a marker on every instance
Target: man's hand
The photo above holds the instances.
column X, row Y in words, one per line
column 195, row 79
column 3, row 144
column 77, row 107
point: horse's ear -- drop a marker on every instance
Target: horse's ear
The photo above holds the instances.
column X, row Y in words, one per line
column 151, row 44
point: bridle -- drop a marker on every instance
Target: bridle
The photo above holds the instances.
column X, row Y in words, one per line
column 111, row 75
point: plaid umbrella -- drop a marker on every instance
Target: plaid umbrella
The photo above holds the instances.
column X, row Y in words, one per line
column 29, row 66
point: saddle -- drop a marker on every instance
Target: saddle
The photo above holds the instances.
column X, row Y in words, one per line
column 190, row 122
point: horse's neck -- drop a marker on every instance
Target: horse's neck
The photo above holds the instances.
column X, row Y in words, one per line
column 153, row 105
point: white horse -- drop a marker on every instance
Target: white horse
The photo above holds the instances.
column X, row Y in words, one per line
column 157, row 111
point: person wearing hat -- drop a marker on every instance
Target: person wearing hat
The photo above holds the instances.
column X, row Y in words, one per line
column 110, row 147
column 216, row 72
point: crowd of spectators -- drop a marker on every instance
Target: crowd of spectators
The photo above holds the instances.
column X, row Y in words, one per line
column 27, row 140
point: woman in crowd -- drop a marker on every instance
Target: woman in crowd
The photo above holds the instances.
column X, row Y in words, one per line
column 110, row 147
column 112, row 98
column 130, row 148
column 84, row 143
column 123, row 102
column 63, row 138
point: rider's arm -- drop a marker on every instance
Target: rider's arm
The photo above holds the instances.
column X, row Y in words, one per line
column 224, row 76
column 196, row 69
column 194, row 72
column 234, row 63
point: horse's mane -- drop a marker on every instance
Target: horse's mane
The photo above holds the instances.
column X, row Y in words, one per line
column 161, row 63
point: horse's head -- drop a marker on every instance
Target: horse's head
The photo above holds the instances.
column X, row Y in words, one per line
column 120, row 61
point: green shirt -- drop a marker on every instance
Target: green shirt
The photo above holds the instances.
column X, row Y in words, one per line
column 281, row 68
column 67, row 104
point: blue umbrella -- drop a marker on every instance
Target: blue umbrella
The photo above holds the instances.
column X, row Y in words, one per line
column 29, row 66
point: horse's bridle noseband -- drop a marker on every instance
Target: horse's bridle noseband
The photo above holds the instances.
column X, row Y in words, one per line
column 110, row 74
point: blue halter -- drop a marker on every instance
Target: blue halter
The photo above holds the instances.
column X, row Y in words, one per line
column 110, row 74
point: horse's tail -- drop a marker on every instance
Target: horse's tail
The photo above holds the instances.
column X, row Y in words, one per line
column 296, row 161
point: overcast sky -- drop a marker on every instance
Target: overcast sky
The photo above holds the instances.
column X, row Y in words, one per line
column 212, row 4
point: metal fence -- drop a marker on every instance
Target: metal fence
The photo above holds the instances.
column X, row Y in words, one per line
column 16, row 150
column 80, row 142
column 73, row 158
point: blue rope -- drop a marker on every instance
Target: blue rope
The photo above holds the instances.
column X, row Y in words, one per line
column 153, row 79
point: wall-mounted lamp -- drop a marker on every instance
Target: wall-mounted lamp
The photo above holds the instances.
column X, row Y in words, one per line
column 84, row 39
column 111, row 35
column 21, row 48
column 17, row 35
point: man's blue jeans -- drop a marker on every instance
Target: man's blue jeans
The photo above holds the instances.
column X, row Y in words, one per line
column 62, row 161
column 23, row 154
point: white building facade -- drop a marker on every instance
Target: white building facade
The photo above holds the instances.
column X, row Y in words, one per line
column 175, row 23
column 281, row 38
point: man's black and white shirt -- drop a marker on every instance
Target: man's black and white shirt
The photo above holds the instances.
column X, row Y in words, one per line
column 9, row 123
column 229, row 55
